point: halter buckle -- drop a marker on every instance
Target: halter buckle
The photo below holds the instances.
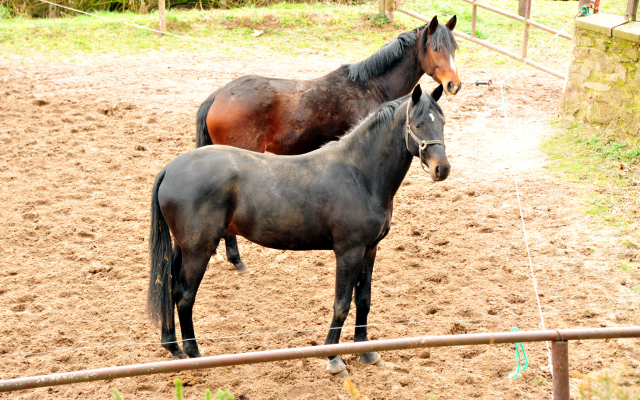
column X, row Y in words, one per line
column 423, row 145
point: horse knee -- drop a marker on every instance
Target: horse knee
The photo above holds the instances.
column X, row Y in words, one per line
column 340, row 311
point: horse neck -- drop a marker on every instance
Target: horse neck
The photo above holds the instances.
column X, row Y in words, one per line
column 382, row 157
column 402, row 77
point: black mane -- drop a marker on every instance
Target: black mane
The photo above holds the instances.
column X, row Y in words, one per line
column 384, row 115
column 389, row 54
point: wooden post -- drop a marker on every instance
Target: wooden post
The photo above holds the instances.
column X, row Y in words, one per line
column 53, row 12
column 632, row 10
column 381, row 6
column 163, row 21
column 390, row 7
column 560, row 359
column 525, row 40
column 522, row 7
column 474, row 11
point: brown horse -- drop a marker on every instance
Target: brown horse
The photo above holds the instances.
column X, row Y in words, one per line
column 285, row 116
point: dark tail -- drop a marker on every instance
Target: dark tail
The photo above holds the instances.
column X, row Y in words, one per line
column 202, row 133
column 159, row 299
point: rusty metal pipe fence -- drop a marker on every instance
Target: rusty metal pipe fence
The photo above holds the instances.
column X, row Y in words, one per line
column 526, row 20
column 559, row 337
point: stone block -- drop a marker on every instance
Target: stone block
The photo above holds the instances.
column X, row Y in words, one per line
column 598, row 61
column 581, row 53
column 621, row 71
column 584, row 41
column 632, row 54
column 603, row 45
column 610, row 78
column 597, row 86
column 585, row 71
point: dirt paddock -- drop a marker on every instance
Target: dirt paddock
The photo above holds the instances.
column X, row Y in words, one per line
column 80, row 148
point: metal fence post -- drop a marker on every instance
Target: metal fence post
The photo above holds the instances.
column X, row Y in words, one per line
column 560, row 360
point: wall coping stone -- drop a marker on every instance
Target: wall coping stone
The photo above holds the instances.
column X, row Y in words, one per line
column 628, row 31
column 601, row 23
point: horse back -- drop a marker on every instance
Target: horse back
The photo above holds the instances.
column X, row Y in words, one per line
column 284, row 116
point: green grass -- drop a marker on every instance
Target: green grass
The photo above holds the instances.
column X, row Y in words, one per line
column 609, row 385
column 179, row 393
column 347, row 33
column 607, row 167
column 627, row 266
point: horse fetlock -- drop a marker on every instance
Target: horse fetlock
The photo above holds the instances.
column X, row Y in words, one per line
column 175, row 350
column 192, row 351
column 336, row 366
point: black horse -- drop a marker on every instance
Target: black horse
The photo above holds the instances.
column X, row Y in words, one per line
column 288, row 116
column 339, row 197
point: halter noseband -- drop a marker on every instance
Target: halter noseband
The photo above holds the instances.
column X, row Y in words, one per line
column 422, row 144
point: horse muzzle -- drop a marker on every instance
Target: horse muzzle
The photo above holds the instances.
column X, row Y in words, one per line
column 439, row 168
column 452, row 88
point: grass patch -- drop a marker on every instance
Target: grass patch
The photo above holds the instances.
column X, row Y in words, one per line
column 627, row 266
column 347, row 33
column 609, row 385
column 179, row 393
column 607, row 167
column 344, row 32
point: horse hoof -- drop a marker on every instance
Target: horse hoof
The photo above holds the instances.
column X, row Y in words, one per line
column 343, row 374
column 372, row 358
column 337, row 366
column 216, row 259
column 244, row 272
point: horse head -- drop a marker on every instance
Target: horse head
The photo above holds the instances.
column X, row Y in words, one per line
column 424, row 132
column 437, row 54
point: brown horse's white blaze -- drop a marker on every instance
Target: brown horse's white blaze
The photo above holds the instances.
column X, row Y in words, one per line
column 441, row 64
column 446, row 73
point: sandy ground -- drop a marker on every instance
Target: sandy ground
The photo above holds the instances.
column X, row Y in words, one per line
column 81, row 146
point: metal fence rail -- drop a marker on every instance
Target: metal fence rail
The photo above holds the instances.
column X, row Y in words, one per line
column 559, row 337
column 472, row 38
column 488, row 45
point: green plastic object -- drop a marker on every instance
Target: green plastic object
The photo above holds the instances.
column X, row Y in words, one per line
column 584, row 11
column 519, row 368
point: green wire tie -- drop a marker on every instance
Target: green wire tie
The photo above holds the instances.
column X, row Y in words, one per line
column 584, row 10
column 516, row 373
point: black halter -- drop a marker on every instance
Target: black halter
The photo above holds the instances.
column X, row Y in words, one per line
column 422, row 144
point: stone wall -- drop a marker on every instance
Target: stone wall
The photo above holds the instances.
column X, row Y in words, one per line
column 603, row 81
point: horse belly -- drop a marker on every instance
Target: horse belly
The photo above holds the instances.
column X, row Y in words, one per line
column 278, row 224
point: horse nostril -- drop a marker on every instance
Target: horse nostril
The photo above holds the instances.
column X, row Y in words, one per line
column 450, row 87
column 438, row 171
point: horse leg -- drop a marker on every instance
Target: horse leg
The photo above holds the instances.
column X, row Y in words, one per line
column 188, row 280
column 169, row 340
column 348, row 266
column 363, row 304
column 233, row 255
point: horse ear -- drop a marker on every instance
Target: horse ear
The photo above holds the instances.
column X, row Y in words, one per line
column 437, row 93
column 451, row 24
column 433, row 25
column 417, row 92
